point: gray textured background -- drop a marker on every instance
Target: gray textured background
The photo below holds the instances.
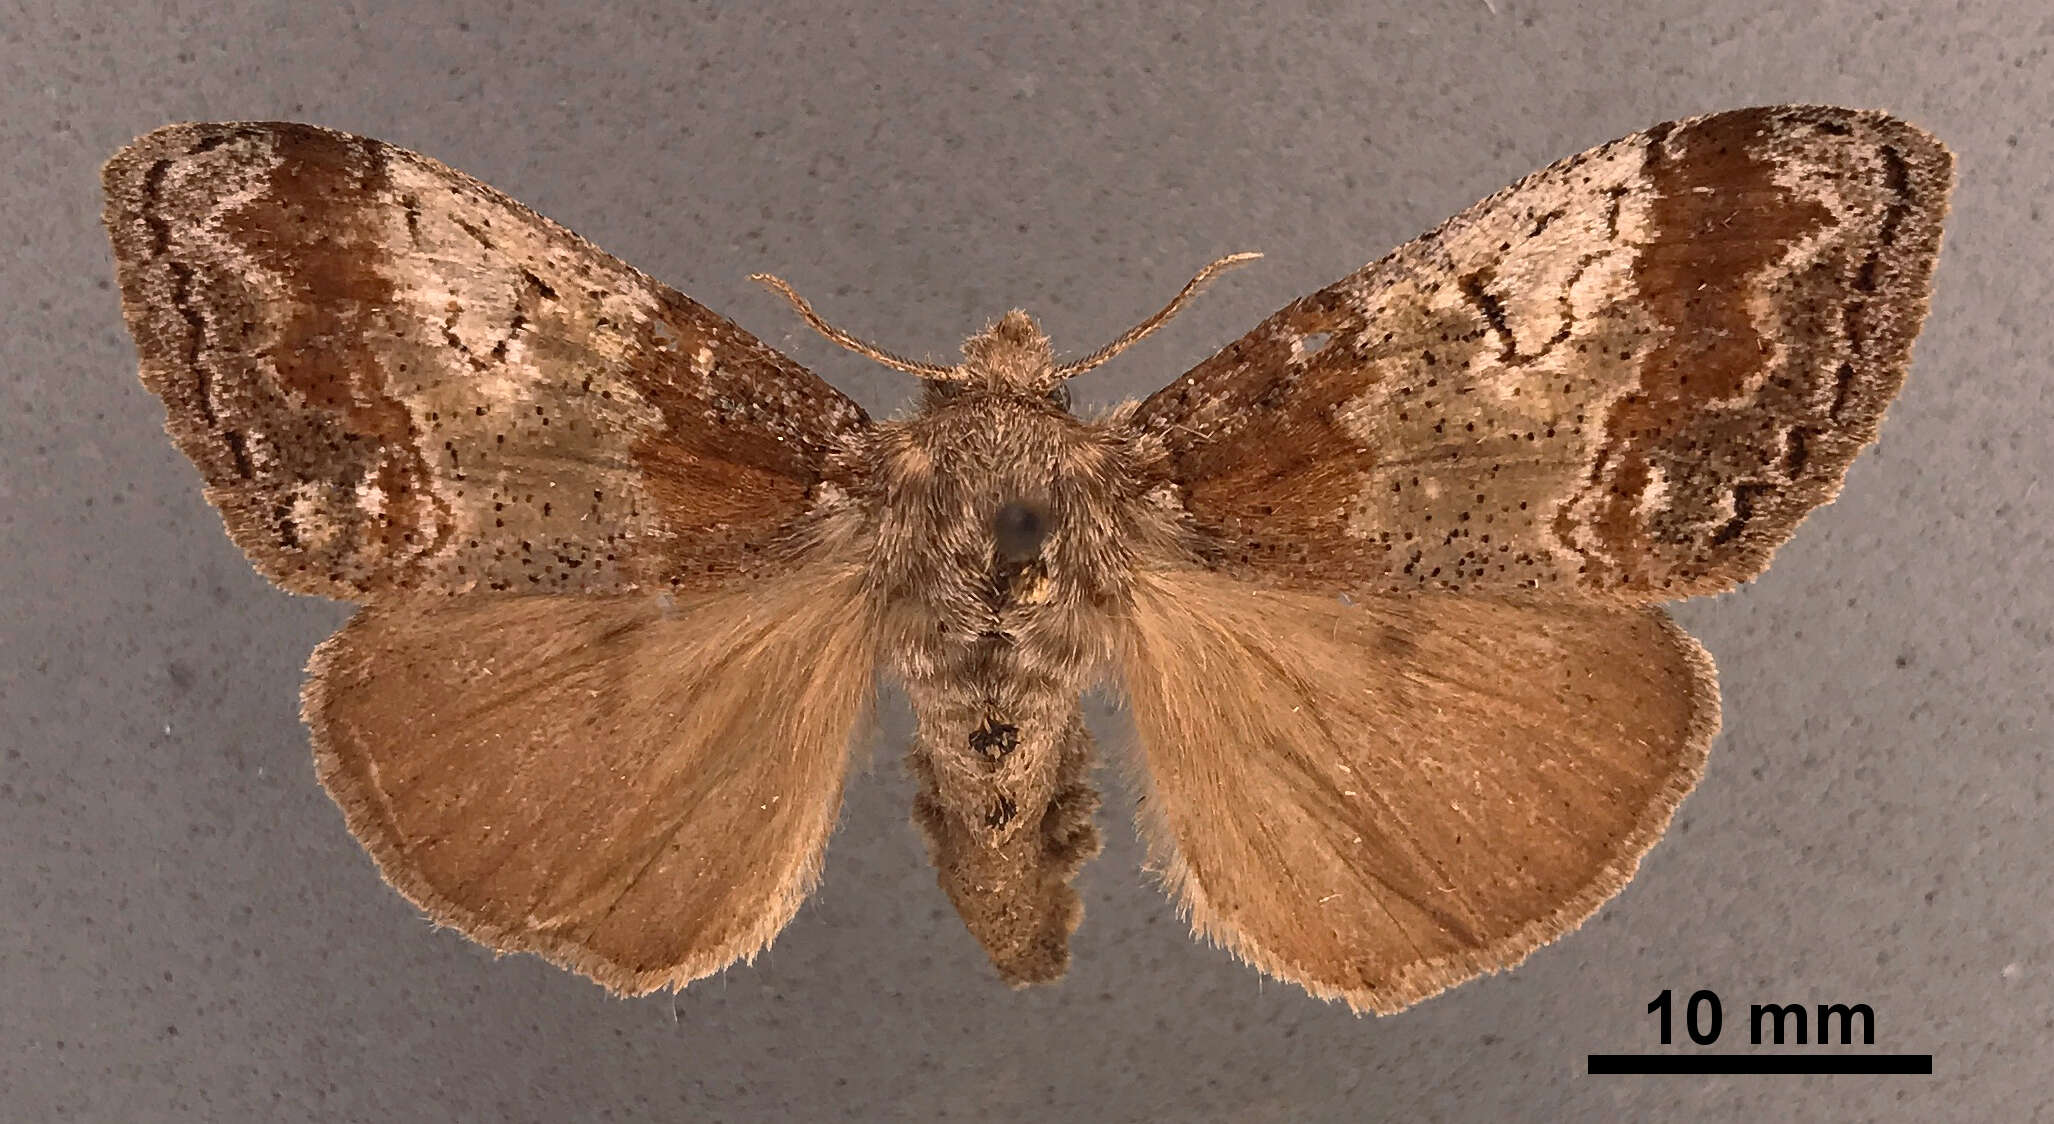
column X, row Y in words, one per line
column 189, row 934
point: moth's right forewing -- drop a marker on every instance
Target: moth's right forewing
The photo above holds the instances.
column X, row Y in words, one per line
column 1380, row 800
column 638, row 787
column 1629, row 375
column 394, row 378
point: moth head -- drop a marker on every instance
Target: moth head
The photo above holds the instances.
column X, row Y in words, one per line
column 1012, row 355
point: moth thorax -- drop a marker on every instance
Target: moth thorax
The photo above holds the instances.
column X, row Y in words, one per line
column 1012, row 353
column 1018, row 530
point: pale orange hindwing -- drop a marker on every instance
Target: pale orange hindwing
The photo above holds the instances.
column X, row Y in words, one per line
column 393, row 377
column 1630, row 374
column 635, row 786
column 1381, row 800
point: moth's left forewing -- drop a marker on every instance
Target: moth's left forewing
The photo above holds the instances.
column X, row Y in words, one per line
column 395, row 378
column 1631, row 374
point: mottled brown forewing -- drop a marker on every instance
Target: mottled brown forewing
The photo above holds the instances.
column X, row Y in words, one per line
column 1630, row 374
column 394, row 377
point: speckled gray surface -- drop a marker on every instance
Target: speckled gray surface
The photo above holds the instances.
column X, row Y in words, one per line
column 189, row 934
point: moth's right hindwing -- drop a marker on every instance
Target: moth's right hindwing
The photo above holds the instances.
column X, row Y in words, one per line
column 1380, row 800
column 395, row 378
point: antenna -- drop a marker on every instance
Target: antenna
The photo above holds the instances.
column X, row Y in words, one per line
column 1134, row 335
column 867, row 350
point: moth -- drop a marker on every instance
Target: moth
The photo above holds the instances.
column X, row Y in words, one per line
column 1380, row 582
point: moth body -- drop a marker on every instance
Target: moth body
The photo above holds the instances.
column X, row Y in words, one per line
column 1005, row 538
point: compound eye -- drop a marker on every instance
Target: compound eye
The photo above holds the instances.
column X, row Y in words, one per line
column 1060, row 395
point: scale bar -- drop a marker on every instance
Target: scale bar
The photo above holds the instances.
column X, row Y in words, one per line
column 1708, row 1064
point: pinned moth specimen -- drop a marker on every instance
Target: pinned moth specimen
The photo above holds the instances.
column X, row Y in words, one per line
column 1380, row 582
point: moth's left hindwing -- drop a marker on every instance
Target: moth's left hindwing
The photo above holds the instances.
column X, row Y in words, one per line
column 637, row 788
column 393, row 377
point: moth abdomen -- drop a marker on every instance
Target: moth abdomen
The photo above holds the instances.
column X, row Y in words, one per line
column 1007, row 814
column 994, row 740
